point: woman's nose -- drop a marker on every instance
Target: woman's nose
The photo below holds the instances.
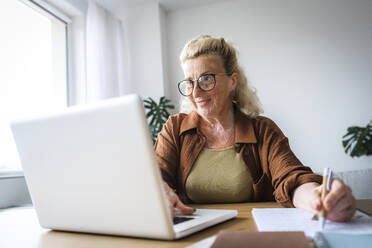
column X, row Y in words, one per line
column 196, row 91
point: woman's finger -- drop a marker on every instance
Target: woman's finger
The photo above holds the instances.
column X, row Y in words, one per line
column 183, row 208
column 338, row 191
column 344, row 211
column 175, row 203
column 171, row 209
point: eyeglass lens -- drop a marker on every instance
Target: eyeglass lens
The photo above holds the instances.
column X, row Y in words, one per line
column 205, row 82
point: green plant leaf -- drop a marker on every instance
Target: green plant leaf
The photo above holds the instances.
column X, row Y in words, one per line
column 157, row 114
column 358, row 140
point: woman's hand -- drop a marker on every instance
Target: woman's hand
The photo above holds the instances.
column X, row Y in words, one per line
column 339, row 203
column 174, row 203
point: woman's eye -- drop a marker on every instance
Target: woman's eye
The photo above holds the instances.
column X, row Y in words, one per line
column 206, row 78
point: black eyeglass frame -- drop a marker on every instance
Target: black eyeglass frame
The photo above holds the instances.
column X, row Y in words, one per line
column 198, row 82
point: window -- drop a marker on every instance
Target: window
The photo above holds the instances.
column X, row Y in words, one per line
column 33, row 68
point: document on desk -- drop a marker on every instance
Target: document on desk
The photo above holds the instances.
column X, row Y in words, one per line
column 295, row 219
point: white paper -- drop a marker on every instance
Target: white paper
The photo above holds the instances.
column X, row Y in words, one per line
column 204, row 243
column 296, row 219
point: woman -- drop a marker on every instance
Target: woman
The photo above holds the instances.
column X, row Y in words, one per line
column 222, row 151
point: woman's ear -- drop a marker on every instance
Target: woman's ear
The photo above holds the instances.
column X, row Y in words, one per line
column 235, row 80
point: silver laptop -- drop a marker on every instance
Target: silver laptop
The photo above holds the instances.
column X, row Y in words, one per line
column 93, row 169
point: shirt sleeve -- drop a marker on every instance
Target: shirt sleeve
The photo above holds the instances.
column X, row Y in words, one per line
column 167, row 152
column 284, row 168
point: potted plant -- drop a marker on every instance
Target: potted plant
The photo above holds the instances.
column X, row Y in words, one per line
column 358, row 140
column 157, row 114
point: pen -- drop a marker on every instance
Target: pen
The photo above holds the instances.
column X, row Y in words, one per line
column 327, row 177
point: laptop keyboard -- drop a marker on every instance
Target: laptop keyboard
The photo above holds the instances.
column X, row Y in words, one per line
column 177, row 220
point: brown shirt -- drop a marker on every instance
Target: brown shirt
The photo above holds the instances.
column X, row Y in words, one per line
column 275, row 170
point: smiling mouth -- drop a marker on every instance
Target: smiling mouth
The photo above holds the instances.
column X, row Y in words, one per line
column 202, row 101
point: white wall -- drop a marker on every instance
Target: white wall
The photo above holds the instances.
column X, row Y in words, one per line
column 309, row 60
column 143, row 35
column 164, row 49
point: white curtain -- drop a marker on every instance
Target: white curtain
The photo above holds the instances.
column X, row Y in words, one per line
column 104, row 54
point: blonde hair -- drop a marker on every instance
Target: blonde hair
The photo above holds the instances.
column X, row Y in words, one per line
column 245, row 96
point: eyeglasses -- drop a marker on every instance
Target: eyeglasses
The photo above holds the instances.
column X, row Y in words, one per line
column 206, row 82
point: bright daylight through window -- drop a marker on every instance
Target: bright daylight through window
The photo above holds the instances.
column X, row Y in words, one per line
column 32, row 69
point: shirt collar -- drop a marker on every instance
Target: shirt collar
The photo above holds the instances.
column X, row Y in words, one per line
column 244, row 128
column 190, row 122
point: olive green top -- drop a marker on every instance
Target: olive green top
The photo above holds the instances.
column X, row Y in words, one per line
column 219, row 176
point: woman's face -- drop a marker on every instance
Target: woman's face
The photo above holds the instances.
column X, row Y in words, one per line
column 217, row 101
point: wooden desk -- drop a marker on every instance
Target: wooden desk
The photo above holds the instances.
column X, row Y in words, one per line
column 20, row 228
column 365, row 205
